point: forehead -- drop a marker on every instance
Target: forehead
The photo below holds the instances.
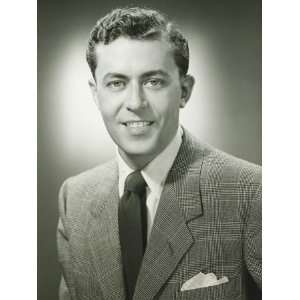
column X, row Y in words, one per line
column 133, row 57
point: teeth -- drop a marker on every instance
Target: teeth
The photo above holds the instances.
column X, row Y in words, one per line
column 138, row 124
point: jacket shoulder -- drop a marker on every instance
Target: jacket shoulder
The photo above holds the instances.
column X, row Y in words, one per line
column 77, row 191
column 232, row 165
column 221, row 168
column 92, row 177
column 214, row 160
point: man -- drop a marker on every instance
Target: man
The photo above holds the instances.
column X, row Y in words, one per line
column 170, row 217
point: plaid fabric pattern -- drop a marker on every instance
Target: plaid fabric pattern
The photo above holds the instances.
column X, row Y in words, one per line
column 208, row 220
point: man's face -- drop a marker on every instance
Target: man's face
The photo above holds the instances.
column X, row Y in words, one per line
column 139, row 93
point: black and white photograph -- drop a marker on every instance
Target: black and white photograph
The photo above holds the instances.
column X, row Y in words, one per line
column 149, row 152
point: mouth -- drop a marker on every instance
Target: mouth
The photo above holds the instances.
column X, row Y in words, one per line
column 137, row 124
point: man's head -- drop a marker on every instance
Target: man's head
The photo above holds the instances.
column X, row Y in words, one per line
column 140, row 80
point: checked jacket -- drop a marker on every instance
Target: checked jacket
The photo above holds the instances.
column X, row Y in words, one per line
column 208, row 220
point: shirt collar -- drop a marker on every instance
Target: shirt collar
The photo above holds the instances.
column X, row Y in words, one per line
column 154, row 173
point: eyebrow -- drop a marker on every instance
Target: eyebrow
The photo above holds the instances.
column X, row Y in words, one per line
column 144, row 75
column 118, row 75
column 155, row 72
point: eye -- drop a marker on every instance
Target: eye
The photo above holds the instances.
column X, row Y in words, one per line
column 116, row 84
column 154, row 83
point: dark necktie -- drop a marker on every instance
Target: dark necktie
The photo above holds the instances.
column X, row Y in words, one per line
column 133, row 228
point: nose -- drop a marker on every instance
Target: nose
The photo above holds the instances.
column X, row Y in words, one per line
column 136, row 98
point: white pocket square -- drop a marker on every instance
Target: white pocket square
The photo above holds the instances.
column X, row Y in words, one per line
column 202, row 280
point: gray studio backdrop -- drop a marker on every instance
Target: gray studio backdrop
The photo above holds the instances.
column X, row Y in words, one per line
column 225, row 108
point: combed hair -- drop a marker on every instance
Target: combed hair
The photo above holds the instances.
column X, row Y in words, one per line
column 139, row 24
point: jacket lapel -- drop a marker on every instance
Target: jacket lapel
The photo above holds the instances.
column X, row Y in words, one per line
column 104, row 238
column 170, row 238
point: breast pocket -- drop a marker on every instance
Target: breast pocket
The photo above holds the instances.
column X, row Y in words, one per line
column 226, row 291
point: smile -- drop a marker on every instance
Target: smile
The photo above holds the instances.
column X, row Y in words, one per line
column 135, row 124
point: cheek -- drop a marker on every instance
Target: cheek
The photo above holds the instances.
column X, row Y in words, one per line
column 109, row 107
column 167, row 103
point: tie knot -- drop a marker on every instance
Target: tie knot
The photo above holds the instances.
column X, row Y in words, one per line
column 135, row 183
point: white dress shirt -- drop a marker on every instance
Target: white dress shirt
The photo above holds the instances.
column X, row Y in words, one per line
column 155, row 174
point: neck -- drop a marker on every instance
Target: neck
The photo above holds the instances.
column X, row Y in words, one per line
column 139, row 161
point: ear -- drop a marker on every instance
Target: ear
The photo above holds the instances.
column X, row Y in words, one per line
column 93, row 87
column 187, row 84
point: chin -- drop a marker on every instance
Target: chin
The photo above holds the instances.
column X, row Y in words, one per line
column 140, row 151
column 140, row 148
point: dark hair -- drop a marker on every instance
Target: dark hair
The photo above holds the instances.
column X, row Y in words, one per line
column 138, row 23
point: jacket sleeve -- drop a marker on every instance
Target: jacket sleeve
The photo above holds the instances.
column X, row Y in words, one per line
column 252, row 238
column 63, row 293
column 67, row 287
